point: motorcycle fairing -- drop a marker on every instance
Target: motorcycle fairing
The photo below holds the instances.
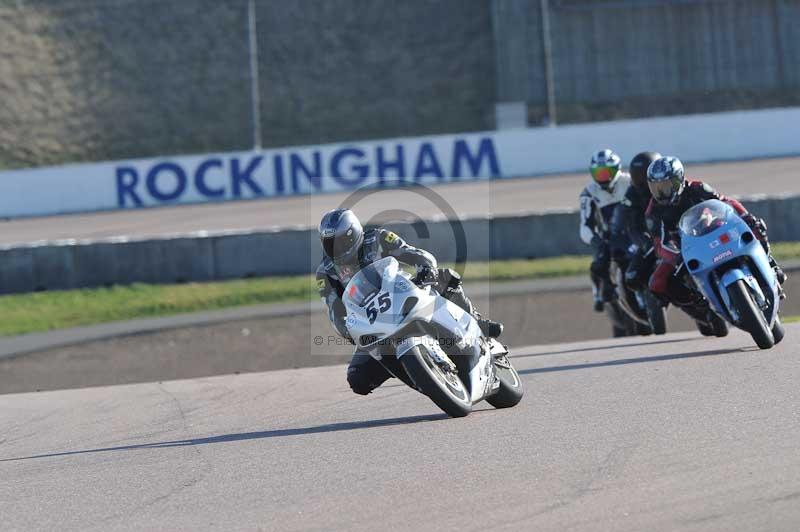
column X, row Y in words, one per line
column 725, row 252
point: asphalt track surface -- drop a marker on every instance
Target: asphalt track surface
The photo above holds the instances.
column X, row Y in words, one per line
column 667, row 433
column 512, row 196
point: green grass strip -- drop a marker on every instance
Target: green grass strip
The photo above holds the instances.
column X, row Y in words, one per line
column 44, row 311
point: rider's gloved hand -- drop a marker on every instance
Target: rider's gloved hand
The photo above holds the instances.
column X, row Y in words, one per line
column 426, row 276
column 758, row 225
column 759, row 228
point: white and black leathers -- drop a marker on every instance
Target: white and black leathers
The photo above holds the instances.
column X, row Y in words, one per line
column 597, row 206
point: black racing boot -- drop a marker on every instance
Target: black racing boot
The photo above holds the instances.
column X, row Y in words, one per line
column 605, row 293
column 780, row 275
column 492, row 329
column 489, row 328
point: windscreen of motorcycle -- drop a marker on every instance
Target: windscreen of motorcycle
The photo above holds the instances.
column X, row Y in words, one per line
column 368, row 281
column 705, row 217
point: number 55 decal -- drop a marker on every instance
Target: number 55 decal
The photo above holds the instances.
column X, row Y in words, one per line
column 384, row 303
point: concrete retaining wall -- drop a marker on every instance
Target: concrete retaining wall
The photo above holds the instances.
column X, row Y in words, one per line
column 70, row 264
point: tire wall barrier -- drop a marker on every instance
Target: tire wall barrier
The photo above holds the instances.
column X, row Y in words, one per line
column 70, row 264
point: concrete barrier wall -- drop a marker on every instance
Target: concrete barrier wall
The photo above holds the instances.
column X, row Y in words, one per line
column 347, row 167
column 195, row 258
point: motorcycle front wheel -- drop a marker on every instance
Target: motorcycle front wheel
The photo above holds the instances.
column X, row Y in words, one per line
column 443, row 387
column 751, row 319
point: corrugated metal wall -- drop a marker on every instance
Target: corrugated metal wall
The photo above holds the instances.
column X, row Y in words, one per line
column 104, row 79
column 723, row 54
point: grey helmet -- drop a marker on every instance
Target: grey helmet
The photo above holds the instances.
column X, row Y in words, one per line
column 666, row 179
column 341, row 235
column 605, row 168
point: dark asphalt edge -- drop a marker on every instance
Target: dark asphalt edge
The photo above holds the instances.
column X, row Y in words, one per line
column 13, row 346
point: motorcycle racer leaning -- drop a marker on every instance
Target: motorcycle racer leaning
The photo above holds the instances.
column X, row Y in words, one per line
column 598, row 203
column 672, row 196
column 347, row 248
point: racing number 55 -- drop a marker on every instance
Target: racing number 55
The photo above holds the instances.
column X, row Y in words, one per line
column 384, row 303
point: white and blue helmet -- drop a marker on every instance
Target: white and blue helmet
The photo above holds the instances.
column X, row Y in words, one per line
column 666, row 179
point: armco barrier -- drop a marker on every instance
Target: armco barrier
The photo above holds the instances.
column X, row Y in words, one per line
column 235, row 255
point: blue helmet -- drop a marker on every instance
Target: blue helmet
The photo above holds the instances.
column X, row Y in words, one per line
column 666, row 179
column 605, row 168
column 341, row 235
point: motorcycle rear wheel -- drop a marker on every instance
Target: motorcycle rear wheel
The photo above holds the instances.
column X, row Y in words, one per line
column 444, row 388
column 656, row 314
column 778, row 332
column 510, row 392
column 751, row 319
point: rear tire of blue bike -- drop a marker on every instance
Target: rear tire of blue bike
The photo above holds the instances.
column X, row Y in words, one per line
column 778, row 332
column 656, row 314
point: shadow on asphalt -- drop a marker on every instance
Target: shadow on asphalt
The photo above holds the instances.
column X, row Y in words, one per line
column 568, row 351
column 599, row 347
column 225, row 438
column 638, row 360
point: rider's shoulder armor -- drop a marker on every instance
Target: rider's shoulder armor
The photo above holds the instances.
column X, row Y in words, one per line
column 603, row 198
column 371, row 248
column 700, row 187
column 697, row 192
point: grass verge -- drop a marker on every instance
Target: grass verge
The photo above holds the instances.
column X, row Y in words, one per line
column 44, row 311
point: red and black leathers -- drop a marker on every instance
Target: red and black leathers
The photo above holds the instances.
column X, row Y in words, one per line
column 662, row 222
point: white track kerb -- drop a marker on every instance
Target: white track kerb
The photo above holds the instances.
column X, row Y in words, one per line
column 340, row 167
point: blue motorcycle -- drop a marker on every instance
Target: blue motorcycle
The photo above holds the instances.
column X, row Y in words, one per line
column 731, row 269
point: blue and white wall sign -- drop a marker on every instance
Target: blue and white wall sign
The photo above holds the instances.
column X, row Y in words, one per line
column 430, row 160
column 303, row 170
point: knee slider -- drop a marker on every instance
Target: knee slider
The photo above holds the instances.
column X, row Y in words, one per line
column 359, row 382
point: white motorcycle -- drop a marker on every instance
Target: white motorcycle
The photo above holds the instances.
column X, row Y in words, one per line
column 439, row 346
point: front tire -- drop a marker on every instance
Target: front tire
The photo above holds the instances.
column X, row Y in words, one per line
column 751, row 319
column 510, row 392
column 444, row 388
